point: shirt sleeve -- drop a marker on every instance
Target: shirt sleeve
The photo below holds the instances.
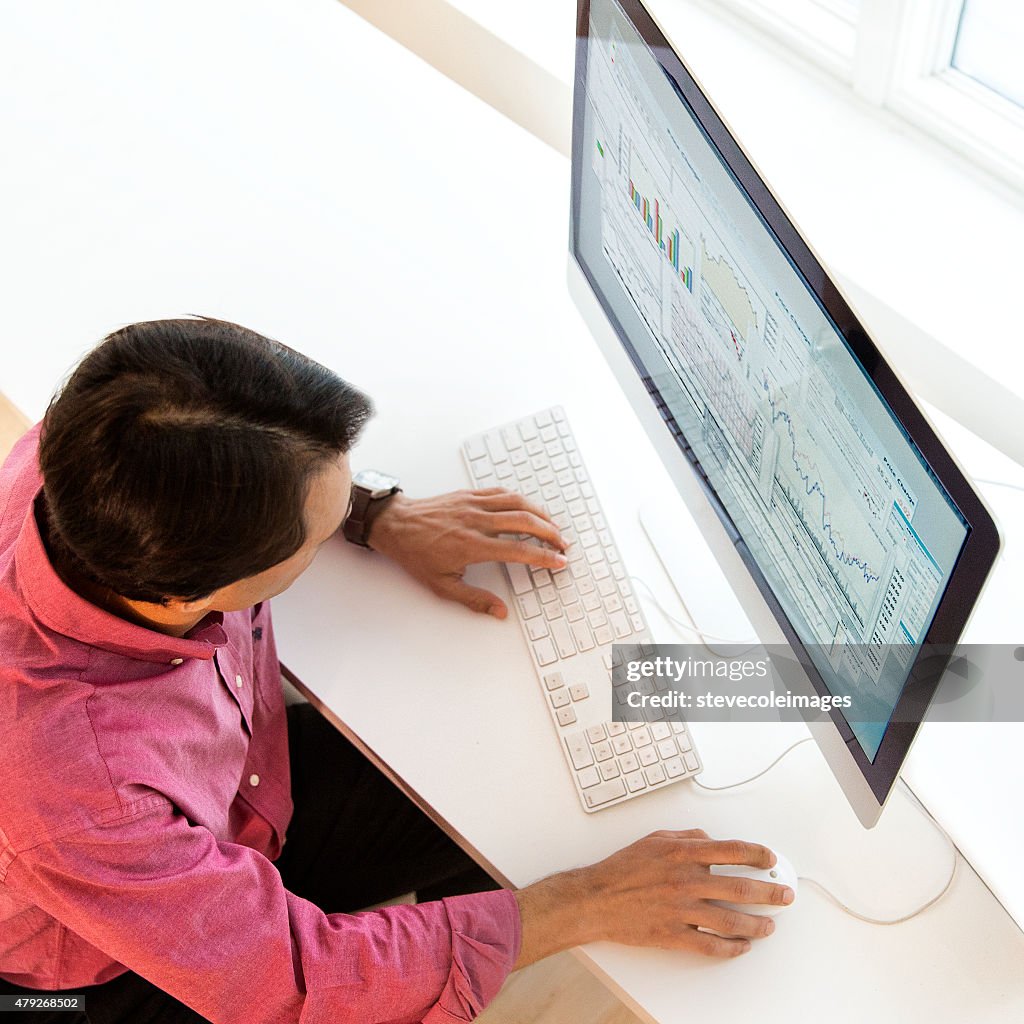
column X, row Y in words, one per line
column 212, row 924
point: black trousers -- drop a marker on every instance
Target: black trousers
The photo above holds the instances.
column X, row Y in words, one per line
column 354, row 840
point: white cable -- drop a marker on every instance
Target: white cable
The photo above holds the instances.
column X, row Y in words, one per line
column 845, row 907
column 764, row 771
column 691, row 626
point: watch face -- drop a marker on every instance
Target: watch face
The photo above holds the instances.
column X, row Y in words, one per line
column 376, row 482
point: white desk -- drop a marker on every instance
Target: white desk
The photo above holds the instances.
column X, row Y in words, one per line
column 311, row 179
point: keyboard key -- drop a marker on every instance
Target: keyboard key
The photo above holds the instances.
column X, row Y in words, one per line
column 616, row 728
column 620, row 624
column 636, row 782
column 558, row 461
column 678, row 727
column 597, row 618
column 579, row 750
column 567, row 595
column 553, row 610
column 647, row 755
column 563, row 429
column 666, row 748
column 529, row 606
column 631, row 606
column 603, row 635
column 595, row 734
column 600, row 571
column 591, row 601
column 606, row 587
column 518, row 577
column 534, row 448
column 603, row 751
column 573, row 612
column 581, row 632
column 684, row 743
column 579, row 691
column 655, row 774
column 674, row 767
column 637, row 622
column 536, row 628
column 548, row 434
column 661, row 732
column 543, row 419
column 621, row 744
column 495, row 446
column 642, row 737
column 544, row 651
column 475, row 448
column 586, row 586
column 553, row 680
column 691, row 762
column 503, row 471
column 565, row 716
column 628, row 763
column 609, row 770
column 527, row 430
column 562, row 578
column 588, row 777
column 610, row 790
column 612, row 603
column 512, row 438
column 559, row 698
column 547, row 593
column 562, row 636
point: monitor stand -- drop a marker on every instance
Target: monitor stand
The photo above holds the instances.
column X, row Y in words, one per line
column 694, row 571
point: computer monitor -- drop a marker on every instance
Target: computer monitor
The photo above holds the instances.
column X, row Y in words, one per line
column 841, row 517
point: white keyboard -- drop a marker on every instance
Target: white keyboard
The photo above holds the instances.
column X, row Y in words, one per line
column 571, row 617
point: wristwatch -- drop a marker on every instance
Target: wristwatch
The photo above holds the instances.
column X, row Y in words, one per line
column 371, row 491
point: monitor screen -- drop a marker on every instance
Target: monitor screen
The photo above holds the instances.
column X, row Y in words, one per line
column 836, row 509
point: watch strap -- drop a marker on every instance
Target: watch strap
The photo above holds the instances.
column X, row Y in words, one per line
column 365, row 509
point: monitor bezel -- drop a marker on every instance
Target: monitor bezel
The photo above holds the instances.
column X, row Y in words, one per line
column 982, row 544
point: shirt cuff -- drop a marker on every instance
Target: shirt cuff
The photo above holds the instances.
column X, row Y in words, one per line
column 486, row 934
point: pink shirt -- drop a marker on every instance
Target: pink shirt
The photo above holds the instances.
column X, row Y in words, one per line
column 144, row 791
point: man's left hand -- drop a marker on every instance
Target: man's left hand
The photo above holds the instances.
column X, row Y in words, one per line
column 436, row 539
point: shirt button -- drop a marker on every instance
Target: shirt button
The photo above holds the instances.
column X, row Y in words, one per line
column 238, row 681
column 177, row 661
column 254, row 780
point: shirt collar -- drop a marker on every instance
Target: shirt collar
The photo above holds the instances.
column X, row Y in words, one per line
column 67, row 613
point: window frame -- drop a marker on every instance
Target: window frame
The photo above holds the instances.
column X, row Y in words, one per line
column 897, row 55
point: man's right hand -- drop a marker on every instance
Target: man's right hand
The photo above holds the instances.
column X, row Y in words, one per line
column 656, row 892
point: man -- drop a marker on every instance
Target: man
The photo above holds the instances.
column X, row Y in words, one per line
column 188, row 472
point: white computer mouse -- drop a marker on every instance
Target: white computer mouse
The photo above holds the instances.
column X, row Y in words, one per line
column 781, row 874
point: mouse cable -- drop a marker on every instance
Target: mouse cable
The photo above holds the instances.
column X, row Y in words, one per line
column 845, row 907
column 691, row 627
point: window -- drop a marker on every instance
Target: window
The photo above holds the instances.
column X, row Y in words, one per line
column 950, row 67
column 987, row 46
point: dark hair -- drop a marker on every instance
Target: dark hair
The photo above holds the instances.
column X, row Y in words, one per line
column 177, row 457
